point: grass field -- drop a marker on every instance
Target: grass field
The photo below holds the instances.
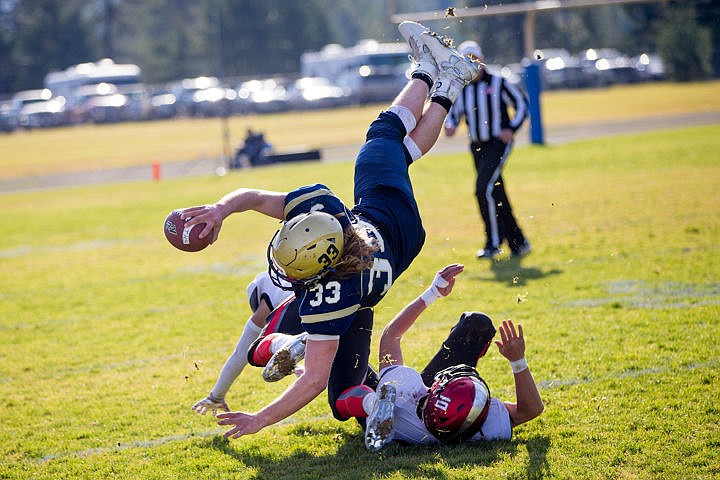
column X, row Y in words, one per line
column 109, row 335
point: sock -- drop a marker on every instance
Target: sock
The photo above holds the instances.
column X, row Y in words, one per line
column 235, row 364
column 267, row 346
column 406, row 117
column 412, row 148
column 368, row 402
column 444, row 102
column 352, row 402
column 424, row 77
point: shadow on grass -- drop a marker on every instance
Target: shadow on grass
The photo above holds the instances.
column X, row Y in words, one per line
column 510, row 271
column 351, row 461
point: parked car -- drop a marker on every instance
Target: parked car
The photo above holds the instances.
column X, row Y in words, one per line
column 185, row 90
column 107, row 108
column 8, row 120
column 214, row 101
column 608, row 66
column 560, row 69
column 265, row 95
column 44, row 114
column 36, row 109
column 649, row 66
column 316, row 92
column 163, row 105
column 26, row 97
column 370, row 84
column 138, row 106
column 101, row 103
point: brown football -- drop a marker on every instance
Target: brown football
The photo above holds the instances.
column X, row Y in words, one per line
column 183, row 238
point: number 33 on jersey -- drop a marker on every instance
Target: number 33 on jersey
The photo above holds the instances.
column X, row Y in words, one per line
column 329, row 307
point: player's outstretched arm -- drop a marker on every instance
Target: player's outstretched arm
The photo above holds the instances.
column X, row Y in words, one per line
column 512, row 346
column 266, row 202
column 390, row 348
column 319, row 357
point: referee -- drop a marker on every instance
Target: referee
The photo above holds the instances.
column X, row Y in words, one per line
column 484, row 104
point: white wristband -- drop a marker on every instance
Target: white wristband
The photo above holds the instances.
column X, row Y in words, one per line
column 433, row 293
column 430, row 295
column 519, row 365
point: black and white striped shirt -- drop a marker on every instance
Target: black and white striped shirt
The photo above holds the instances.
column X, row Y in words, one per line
column 484, row 104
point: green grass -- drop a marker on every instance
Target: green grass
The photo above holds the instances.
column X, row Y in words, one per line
column 109, row 335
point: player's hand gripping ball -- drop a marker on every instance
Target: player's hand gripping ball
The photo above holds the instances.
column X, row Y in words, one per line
column 186, row 239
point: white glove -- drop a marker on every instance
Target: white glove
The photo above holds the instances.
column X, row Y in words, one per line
column 433, row 293
column 210, row 403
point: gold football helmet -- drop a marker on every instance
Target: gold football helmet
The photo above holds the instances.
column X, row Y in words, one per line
column 305, row 247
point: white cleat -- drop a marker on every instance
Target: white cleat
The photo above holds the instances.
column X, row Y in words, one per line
column 422, row 58
column 410, row 29
column 449, row 61
column 284, row 361
column 379, row 426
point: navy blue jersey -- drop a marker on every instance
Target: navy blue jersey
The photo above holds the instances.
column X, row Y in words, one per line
column 329, row 307
column 316, row 197
column 385, row 209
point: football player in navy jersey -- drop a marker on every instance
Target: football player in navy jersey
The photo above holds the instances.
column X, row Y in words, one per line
column 448, row 401
column 341, row 261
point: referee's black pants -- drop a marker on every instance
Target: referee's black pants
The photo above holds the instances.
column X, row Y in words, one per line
column 500, row 224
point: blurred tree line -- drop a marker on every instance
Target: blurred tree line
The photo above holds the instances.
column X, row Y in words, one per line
column 173, row 39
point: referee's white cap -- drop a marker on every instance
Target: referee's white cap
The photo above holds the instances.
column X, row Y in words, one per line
column 470, row 47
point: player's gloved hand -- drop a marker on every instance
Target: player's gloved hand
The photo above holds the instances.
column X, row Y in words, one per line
column 210, row 403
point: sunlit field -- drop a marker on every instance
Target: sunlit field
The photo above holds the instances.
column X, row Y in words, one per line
column 109, row 335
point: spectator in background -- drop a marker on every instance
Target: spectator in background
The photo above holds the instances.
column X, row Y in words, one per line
column 253, row 152
column 484, row 104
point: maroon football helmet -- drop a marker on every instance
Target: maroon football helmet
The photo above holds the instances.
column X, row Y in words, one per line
column 457, row 404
